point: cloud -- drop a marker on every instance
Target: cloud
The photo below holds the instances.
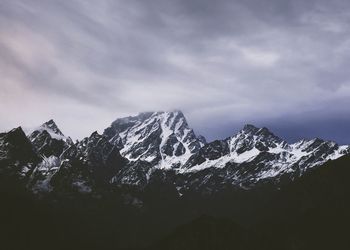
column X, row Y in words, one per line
column 224, row 63
column 259, row 57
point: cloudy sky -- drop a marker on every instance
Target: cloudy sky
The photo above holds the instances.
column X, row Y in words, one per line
column 276, row 63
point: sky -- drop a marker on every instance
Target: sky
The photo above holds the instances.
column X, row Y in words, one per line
column 275, row 63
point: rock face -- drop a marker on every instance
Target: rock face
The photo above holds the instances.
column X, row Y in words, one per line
column 157, row 147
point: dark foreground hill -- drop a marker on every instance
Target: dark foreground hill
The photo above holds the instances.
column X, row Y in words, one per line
column 309, row 213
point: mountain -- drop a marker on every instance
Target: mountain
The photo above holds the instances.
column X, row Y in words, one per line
column 48, row 140
column 255, row 155
column 161, row 138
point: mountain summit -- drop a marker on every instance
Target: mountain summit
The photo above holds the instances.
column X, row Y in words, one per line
column 52, row 127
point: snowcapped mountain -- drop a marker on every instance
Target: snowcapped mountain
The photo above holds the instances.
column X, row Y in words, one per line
column 255, row 156
column 49, row 127
column 270, row 155
column 48, row 139
column 157, row 147
column 161, row 138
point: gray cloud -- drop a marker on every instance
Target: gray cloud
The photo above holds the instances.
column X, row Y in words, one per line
column 224, row 63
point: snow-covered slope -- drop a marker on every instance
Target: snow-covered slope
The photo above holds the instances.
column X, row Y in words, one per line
column 270, row 155
column 51, row 128
column 161, row 138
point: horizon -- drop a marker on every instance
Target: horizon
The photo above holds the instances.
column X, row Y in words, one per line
column 29, row 130
column 276, row 64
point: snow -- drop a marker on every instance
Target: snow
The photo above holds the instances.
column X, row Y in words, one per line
column 285, row 157
column 168, row 162
column 44, row 172
column 222, row 161
column 246, row 156
column 169, row 124
column 344, row 149
column 133, row 136
column 166, row 132
column 52, row 133
column 150, row 158
column 25, row 170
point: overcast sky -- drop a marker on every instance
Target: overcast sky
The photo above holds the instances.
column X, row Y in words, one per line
column 276, row 63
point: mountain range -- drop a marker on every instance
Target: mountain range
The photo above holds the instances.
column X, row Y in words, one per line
column 133, row 149
column 156, row 164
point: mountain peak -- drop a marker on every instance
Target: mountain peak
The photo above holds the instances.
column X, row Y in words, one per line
column 16, row 132
column 95, row 134
column 52, row 126
column 260, row 132
column 176, row 112
column 250, row 128
column 47, row 129
column 51, row 121
column 15, row 147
